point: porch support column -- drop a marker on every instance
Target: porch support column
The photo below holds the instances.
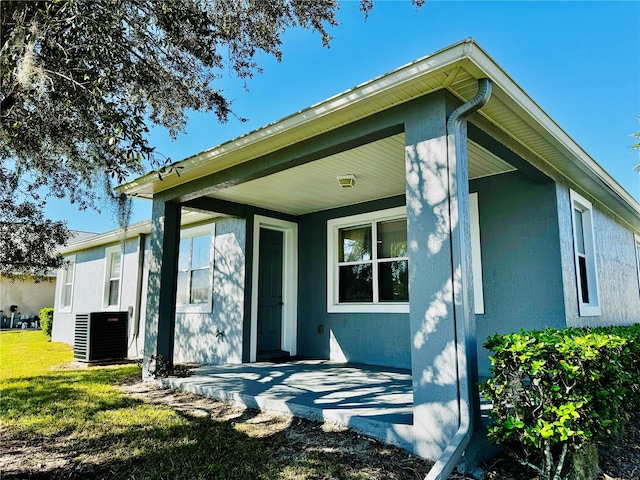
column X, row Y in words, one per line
column 161, row 292
column 431, row 217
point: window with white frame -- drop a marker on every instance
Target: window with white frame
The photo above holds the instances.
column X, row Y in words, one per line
column 585, row 255
column 476, row 254
column 113, row 275
column 637, row 238
column 195, row 260
column 368, row 262
column 66, row 284
column 366, row 279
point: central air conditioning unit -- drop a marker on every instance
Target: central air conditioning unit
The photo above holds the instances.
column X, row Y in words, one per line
column 100, row 336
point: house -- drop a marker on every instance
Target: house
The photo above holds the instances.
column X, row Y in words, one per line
column 28, row 294
column 396, row 224
column 109, row 272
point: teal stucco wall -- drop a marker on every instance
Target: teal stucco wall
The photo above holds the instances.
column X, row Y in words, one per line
column 521, row 260
column 372, row 338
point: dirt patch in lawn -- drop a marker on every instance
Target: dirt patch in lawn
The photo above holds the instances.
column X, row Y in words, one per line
column 354, row 455
column 372, row 459
column 297, row 446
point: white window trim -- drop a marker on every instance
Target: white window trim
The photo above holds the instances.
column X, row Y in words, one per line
column 476, row 254
column 333, row 226
column 592, row 308
column 108, row 254
column 637, row 249
column 63, row 283
column 194, row 232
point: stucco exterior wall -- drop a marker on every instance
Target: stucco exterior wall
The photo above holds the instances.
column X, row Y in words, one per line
column 618, row 289
column 196, row 334
column 27, row 294
column 521, row 257
column 89, row 288
column 371, row 338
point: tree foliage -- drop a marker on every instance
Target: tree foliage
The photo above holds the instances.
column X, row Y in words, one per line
column 81, row 82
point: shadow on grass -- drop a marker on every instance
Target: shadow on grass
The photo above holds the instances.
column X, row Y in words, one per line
column 94, row 431
column 77, row 425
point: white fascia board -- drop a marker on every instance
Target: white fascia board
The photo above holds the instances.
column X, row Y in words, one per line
column 144, row 227
column 108, row 237
column 466, row 53
column 536, row 115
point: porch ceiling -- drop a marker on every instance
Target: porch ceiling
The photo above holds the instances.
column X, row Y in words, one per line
column 510, row 116
column 379, row 168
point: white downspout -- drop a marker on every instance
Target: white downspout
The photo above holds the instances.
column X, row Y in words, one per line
column 451, row 455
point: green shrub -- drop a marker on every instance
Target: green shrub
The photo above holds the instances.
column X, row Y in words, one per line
column 554, row 392
column 46, row 320
column 630, row 361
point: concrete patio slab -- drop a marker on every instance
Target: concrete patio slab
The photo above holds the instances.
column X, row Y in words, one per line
column 375, row 401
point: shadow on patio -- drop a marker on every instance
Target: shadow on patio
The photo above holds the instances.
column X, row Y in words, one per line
column 375, row 401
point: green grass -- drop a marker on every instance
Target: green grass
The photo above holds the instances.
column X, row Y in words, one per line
column 27, row 353
column 83, row 414
column 82, row 426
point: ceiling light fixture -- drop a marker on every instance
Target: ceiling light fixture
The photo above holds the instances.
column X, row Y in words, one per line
column 347, row 181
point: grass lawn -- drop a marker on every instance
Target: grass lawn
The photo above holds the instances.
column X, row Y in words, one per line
column 59, row 422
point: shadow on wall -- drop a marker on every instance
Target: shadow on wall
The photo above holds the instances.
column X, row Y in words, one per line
column 216, row 338
column 432, row 215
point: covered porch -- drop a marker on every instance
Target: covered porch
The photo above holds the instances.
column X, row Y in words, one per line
column 374, row 401
column 408, row 167
column 371, row 400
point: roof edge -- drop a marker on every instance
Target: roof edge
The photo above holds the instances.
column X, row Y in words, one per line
column 434, row 61
column 123, row 234
column 571, row 148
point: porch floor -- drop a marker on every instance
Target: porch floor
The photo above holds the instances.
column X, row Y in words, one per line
column 375, row 401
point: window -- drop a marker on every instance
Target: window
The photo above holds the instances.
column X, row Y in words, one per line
column 585, row 256
column 66, row 288
column 476, row 254
column 368, row 262
column 113, row 274
column 194, row 271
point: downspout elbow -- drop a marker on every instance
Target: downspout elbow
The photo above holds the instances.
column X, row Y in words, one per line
column 451, row 455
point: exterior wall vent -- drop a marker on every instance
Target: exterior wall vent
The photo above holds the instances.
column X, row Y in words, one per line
column 100, row 336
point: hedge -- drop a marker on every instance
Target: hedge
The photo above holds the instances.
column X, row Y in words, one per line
column 46, row 320
column 556, row 393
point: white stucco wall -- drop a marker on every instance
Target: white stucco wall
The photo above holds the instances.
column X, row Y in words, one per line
column 27, row 294
column 618, row 291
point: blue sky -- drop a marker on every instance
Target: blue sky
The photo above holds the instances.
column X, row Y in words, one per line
column 579, row 61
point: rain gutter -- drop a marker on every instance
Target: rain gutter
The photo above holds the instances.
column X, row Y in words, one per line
column 467, row 401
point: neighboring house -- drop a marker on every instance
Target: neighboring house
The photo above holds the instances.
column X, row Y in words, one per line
column 398, row 224
column 29, row 294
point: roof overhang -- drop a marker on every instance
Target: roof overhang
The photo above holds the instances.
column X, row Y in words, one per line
column 123, row 234
column 527, row 129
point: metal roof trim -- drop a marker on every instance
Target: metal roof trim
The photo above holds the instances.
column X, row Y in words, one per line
column 132, row 231
column 411, row 71
column 561, row 139
column 466, row 54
